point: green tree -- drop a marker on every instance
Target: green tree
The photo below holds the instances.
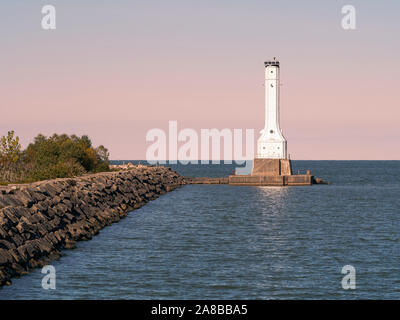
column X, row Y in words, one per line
column 102, row 159
column 57, row 156
column 102, row 153
column 66, row 156
column 10, row 156
column 10, row 148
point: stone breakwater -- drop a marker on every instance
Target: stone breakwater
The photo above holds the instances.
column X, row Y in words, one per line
column 38, row 220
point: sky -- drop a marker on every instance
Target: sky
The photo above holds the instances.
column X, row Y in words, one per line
column 116, row 69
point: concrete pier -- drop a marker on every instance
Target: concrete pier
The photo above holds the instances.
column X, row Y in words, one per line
column 265, row 172
column 206, row 180
column 250, row 180
column 276, row 180
column 259, row 180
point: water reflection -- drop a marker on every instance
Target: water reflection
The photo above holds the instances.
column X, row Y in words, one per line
column 274, row 199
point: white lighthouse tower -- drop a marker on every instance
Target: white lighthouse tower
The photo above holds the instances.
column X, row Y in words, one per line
column 271, row 144
column 271, row 165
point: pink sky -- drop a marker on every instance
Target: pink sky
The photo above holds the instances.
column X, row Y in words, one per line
column 117, row 69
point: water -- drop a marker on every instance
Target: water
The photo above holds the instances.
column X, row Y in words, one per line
column 225, row 242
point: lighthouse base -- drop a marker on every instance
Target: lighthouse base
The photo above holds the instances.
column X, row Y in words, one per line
column 271, row 167
column 271, row 172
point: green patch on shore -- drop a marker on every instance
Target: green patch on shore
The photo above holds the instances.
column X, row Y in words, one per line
column 58, row 156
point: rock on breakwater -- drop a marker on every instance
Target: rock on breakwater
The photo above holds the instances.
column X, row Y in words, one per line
column 38, row 220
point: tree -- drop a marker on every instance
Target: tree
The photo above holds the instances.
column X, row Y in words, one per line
column 102, row 153
column 57, row 156
column 65, row 156
column 10, row 155
column 10, row 148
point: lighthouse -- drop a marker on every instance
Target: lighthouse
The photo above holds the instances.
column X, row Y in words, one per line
column 271, row 165
column 272, row 144
column 271, row 155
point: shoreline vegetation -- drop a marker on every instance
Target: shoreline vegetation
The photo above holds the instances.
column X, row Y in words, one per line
column 60, row 190
column 57, row 156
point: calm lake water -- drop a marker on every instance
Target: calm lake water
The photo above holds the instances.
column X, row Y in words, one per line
column 225, row 242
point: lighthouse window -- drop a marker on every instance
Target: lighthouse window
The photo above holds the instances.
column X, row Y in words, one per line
column 272, row 85
column 272, row 131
